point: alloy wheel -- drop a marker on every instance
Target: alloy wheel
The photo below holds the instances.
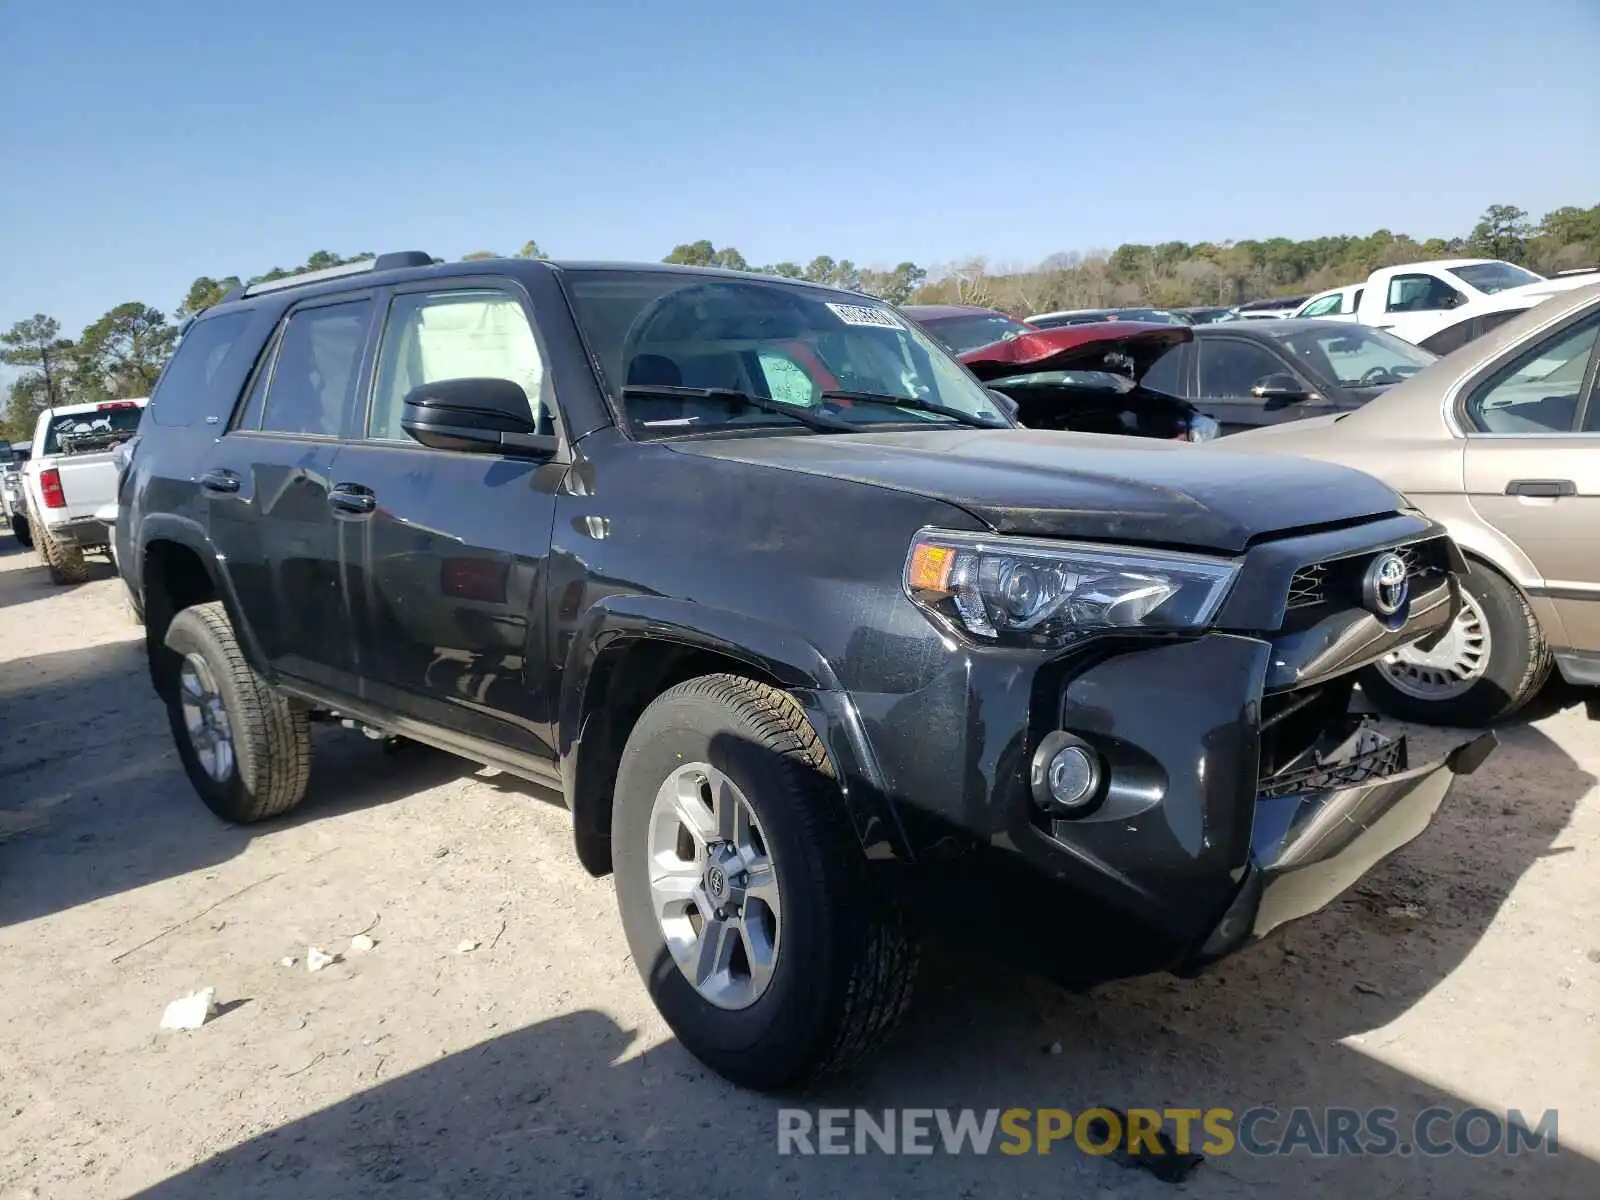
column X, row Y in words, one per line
column 714, row 886
column 205, row 717
column 1451, row 667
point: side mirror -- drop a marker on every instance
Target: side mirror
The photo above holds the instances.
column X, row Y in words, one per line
column 1004, row 402
column 1280, row 389
column 476, row 415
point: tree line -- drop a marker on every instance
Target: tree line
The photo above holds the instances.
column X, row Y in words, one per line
column 122, row 352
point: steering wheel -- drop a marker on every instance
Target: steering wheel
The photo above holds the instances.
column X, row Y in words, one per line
column 1374, row 375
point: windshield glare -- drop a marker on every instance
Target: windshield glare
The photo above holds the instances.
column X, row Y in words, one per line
column 1494, row 277
column 960, row 334
column 789, row 343
column 1354, row 355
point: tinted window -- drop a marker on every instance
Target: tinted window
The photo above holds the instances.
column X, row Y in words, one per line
column 1452, row 337
column 1166, row 373
column 1231, row 369
column 477, row 334
column 1537, row 392
column 1495, row 276
column 960, row 334
column 1421, row 293
column 314, row 374
column 88, row 432
column 186, row 391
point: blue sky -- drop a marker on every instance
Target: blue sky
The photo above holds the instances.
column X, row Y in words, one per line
column 149, row 143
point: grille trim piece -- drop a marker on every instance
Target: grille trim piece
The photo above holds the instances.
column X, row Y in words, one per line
column 1373, row 756
column 1314, row 585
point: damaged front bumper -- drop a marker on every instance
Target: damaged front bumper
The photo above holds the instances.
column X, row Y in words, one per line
column 1325, row 821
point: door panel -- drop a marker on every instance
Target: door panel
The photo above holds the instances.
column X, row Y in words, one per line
column 269, row 518
column 1554, row 517
column 446, row 578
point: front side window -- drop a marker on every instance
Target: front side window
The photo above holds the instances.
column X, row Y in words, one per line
column 313, row 377
column 1356, row 356
column 1537, row 392
column 1324, row 306
column 433, row 336
column 660, row 336
column 1494, row 277
column 1422, row 293
column 1229, row 369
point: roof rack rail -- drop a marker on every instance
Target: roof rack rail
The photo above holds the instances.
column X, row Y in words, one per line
column 393, row 261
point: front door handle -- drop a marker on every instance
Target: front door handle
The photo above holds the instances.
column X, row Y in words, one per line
column 1541, row 487
column 352, row 498
column 220, row 480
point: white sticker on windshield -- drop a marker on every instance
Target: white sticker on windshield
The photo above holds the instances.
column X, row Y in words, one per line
column 861, row 314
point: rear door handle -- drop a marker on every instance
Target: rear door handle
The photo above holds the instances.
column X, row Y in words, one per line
column 220, row 481
column 352, row 498
column 1541, row 487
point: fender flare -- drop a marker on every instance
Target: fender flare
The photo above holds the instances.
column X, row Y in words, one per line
column 777, row 653
column 181, row 531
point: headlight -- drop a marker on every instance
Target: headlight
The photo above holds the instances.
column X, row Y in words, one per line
column 1046, row 593
column 1203, row 428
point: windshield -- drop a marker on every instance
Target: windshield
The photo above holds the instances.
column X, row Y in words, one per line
column 88, row 431
column 789, row 344
column 960, row 334
column 1494, row 277
column 1356, row 356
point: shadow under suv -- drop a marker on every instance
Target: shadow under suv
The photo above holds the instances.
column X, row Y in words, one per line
column 820, row 649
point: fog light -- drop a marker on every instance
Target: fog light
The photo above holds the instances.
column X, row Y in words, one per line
column 1066, row 774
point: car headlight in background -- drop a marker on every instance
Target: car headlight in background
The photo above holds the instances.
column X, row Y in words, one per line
column 1043, row 593
column 1203, row 428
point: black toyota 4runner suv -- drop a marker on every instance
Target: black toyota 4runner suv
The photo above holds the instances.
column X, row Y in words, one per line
column 820, row 648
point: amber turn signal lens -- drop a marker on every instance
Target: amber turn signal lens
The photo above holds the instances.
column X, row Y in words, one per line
column 930, row 568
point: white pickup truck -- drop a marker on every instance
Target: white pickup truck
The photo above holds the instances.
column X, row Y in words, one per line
column 1416, row 300
column 69, row 482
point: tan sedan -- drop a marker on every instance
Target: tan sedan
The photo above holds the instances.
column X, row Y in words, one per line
column 1499, row 441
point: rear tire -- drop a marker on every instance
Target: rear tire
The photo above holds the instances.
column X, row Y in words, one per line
column 64, row 561
column 842, row 963
column 215, row 696
column 1517, row 665
column 21, row 531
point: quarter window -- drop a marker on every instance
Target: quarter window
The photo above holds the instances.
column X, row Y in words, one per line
column 1229, row 369
column 314, row 375
column 433, row 336
column 186, row 389
column 1165, row 374
column 1537, row 392
column 1324, row 306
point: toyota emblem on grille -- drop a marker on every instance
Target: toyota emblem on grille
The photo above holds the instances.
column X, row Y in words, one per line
column 1384, row 588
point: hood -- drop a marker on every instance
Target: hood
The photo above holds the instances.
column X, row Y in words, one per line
column 1103, row 488
column 1118, row 347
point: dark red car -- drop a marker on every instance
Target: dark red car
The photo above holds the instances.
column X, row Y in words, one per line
column 1085, row 378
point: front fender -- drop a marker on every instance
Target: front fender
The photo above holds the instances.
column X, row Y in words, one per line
column 768, row 649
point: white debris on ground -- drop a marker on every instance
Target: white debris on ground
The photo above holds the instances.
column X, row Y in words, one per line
column 317, row 958
column 287, row 960
column 466, row 946
column 361, row 943
column 191, row 1011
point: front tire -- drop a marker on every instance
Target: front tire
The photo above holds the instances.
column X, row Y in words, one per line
column 246, row 750
column 1491, row 662
column 744, row 895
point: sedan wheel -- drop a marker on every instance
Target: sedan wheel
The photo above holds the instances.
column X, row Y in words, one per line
column 1451, row 667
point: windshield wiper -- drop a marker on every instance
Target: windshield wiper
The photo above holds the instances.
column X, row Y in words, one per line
column 954, row 414
column 735, row 399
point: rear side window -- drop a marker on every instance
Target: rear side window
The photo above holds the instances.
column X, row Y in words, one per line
column 1164, row 375
column 314, row 373
column 187, row 391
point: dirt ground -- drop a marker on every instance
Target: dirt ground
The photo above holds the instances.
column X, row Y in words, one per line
column 1466, row 972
